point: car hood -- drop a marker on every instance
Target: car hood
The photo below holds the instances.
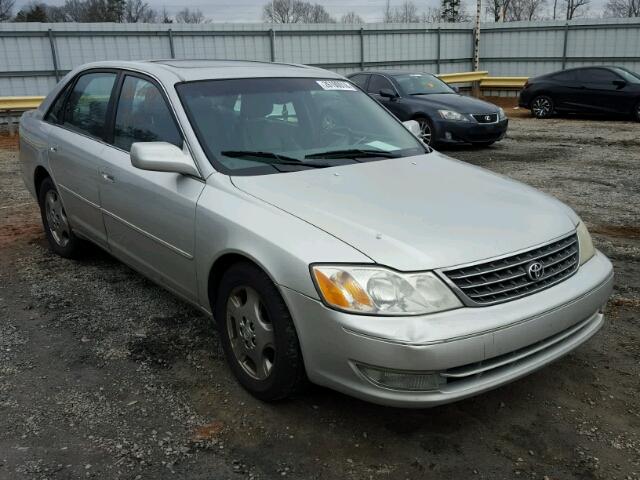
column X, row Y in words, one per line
column 459, row 103
column 417, row 213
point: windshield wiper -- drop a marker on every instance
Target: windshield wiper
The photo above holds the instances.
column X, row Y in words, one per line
column 353, row 153
column 271, row 158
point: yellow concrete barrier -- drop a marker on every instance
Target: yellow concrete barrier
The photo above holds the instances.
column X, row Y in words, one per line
column 19, row 103
column 463, row 77
column 503, row 82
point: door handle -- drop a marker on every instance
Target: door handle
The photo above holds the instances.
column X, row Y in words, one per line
column 107, row 177
column 53, row 148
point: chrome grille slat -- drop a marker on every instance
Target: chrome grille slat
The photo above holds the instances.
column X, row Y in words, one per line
column 511, row 265
column 504, row 279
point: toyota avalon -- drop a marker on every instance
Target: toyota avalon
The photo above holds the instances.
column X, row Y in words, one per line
column 344, row 252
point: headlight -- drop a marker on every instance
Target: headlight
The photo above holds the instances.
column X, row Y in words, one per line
column 380, row 291
column 584, row 243
column 501, row 114
column 452, row 115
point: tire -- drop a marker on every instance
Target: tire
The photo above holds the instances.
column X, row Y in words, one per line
column 426, row 129
column 636, row 112
column 257, row 334
column 542, row 106
column 60, row 236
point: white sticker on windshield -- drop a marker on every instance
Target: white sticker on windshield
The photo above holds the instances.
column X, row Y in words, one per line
column 335, row 85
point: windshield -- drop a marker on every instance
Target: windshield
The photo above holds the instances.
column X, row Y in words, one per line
column 628, row 75
column 422, row 84
column 269, row 125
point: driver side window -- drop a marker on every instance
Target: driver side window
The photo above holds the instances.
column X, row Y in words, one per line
column 143, row 116
column 377, row 83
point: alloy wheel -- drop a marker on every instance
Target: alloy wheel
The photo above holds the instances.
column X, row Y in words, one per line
column 425, row 131
column 542, row 107
column 251, row 332
column 57, row 219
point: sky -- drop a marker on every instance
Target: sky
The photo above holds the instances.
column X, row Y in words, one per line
column 251, row 10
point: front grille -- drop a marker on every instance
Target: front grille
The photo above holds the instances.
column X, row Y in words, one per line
column 508, row 278
column 486, row 117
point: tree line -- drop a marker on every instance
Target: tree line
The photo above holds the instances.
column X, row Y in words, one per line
column 117, row 11
column 302, row 11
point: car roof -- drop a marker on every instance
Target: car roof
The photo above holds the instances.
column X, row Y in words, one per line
column 176, row 70
column 391, row 72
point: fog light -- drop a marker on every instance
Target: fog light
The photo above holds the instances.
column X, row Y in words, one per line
column 401, row 379
column 448, row 135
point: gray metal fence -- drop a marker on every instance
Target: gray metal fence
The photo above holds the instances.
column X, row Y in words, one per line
column 33, row 56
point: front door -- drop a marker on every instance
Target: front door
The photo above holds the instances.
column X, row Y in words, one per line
column 149, row 216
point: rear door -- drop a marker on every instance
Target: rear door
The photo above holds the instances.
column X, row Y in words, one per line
column 76, row 144
column 149, row 216
column 566, row 89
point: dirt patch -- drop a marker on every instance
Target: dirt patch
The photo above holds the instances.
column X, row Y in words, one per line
column 623, row 231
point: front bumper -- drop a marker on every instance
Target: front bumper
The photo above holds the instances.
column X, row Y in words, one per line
column 514, row 338
column 449, row 132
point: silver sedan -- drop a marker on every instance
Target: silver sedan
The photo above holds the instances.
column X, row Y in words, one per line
column 326, row 240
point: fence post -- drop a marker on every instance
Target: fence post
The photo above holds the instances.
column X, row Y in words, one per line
column 171, row 47
column 438, row 52
column 564, row 45
column 361, row 48
column 54, row 55
column 272, row 44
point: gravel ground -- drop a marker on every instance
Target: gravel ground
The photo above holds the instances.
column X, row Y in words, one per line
column 105, row 375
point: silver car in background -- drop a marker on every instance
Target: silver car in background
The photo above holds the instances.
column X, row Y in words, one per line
column 324, row 238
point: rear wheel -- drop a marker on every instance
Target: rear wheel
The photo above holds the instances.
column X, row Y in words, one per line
column 636, row 112
column 542, row 106
column 426, row 130
column 257, row 334
column 54, row 219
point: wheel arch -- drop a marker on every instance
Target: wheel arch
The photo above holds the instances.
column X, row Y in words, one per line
column 39, row 175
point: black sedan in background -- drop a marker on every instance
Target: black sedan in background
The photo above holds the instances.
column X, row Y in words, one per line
column 610, row 90
column 445, row 117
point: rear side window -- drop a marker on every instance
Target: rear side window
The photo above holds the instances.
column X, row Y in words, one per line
column 599, row 75
column 566, row 76
column 87, row 105
column 143, row 116
column 360, row 80
column 377, row 83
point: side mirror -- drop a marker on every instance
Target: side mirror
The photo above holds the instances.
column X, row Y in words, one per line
column 455, row 89
column 388, row 93
column 413, row 127
column 162, row 157
column 619, row 83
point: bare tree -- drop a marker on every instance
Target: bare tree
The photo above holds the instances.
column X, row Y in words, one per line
column 6, row 7
column 620, row 8
column 284, row 11
column 575, row 8
column 164, row 17
column 498, row 9
column 139, row 11
column 451, row 11
column 525, row 10
column 316, row 13
column 32, row 12
column 351, row 17
column 407, row 12
column 431, row 15
column 186, row 15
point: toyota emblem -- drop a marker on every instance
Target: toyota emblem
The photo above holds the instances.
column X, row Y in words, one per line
column 535, row 270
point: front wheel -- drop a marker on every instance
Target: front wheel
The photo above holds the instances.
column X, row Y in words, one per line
column 54, row 219
column 426, row 130
column 636, row 112
column 257, row 334
column 542, row 106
